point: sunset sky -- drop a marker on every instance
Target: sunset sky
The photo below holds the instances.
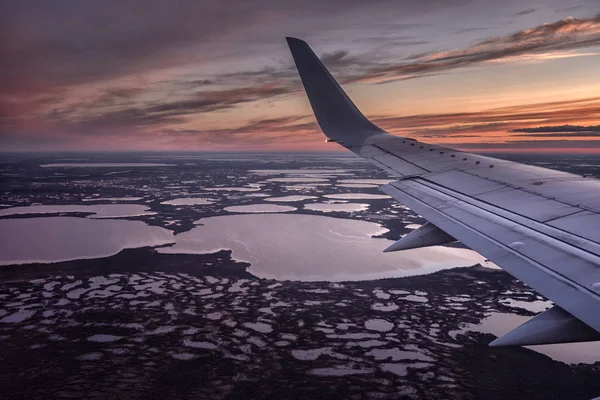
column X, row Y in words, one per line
column 510, row 75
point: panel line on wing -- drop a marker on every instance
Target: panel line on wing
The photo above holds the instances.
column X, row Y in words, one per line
column 582, row 242
column 541, row 245
column 400, row 158
column 547, row 208
column 386, row 168
column 565, row 216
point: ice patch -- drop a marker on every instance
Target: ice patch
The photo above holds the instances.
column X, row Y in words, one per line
column 290, row 198
column 397, row 354
column 71, row 285
column 53, row 239
column 381, row 295
column 357, row 196
column 259, row 327
column 366, row 343
column 354, row 336
column 17, row 317
column 104, row 338
column 356, row 185
column 237, row 286
column 161, row 330
column 339, row 371
column 301, row 187
column 112, row 199
column 459, row 299
column 384, row 307
column 199, row 345
column 214, row 316
column 413, row 226
column 289, row 336
column 104, row 165
column 50, row 285
column 378, row 324
column 257, row 342
column 314, row 248
column 367, row 181
column 298, row 171
column 535, row 306
column 312, row 354
column 233, row 189
column 98, row 210
column 260, row 208
column 336, row 207
column 417, row 299
column 297, row 179
column 188, row 201
column 397, row 292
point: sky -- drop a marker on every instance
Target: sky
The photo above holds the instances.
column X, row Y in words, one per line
column 216, row 75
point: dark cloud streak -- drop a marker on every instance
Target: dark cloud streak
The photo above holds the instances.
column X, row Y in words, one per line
column 566, row 34
column 525, row 12
column 560, row 128
column 560, row 135
column 525, row 145
column 87, row 118
column 291, row 129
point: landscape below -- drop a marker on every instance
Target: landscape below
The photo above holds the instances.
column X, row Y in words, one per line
column 252, row 275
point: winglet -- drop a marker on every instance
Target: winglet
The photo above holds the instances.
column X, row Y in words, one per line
column 336, row 114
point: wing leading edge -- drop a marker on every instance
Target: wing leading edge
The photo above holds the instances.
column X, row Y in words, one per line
column 540, row 225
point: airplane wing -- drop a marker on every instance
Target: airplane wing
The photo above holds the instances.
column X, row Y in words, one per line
column 540, row 225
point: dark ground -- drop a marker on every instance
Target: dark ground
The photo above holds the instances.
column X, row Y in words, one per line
column 143, row 325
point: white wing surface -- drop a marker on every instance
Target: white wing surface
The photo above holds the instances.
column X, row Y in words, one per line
column 540, row 225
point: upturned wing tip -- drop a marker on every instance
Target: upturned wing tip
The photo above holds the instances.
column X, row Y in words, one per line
column 291, row 39
column 336, row 114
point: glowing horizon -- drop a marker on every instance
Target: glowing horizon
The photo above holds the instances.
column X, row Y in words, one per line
column 175, row 79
